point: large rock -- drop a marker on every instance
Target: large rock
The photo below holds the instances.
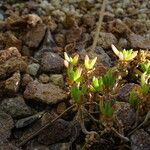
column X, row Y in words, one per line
column 10, row 62
column 125, row 114
column 138, row 41
column 52, row 62
column 46, row 93
column 6, row 124
column 46, row 46
column 15, row 107
column 34, row 36
column 140, row 140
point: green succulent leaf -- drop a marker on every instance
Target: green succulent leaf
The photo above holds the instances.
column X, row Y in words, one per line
column 75, row 59
column 133, row 99
column 125, row 55
column 74, row 75
column 107, row 109
column 76, row 94
column 108, row 79
column 69, row 60
column 89, row 64
column 97, row 84
column 145, row 89
column 145, row 67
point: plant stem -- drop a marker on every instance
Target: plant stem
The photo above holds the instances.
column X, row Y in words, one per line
column 120, row 135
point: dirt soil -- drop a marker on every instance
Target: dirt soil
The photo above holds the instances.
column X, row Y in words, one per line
column 34, row 34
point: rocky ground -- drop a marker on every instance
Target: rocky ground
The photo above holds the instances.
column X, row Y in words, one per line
column 33, row 37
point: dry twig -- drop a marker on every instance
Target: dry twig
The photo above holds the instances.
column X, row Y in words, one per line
column 101, row 15
column 44, row 127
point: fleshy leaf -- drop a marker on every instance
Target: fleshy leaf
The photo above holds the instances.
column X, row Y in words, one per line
column 133, row 99
column 76, row 94
column 89, row 64
column 66, row 57
column 106, row 109
column 75, row 59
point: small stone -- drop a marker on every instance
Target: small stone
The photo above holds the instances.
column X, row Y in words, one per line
column 28, row 120
column 12, row 84
column 46, row 93
column 60, row 15
column 32, row 19
column 140, row 140
column 106, row 39
column 119, row 27
column 52, row 63
column 148, row 24
column 9, row 53
column 142, row 16
column 119, row 11
column 1, row 16
column 60, row 39
column 44, row 78
column 6, row 124
column 126, row 3
column 131, row 10
column 139, row 27
column 26, row 51
column 89, row 20
column 32, row 69
column 15, row 107
column 2, row 27
column 73, row 35
column 26, row 79
column 57, row 79
column 122, row 43
column 61, row 108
